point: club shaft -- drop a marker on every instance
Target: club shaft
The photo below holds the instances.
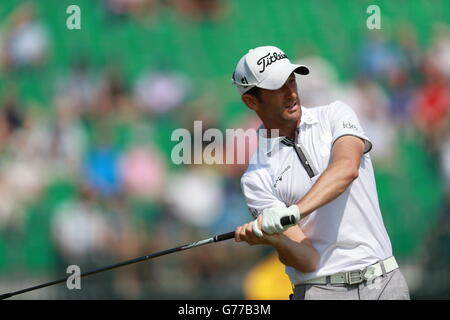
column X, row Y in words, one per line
column 221, row 237
column 218, row 238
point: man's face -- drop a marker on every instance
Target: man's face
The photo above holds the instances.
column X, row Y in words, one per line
column 279, row 107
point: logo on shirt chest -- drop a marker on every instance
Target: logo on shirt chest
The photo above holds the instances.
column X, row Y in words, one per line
column 280, row 177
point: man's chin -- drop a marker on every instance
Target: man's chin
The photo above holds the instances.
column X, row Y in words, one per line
column 292, row 117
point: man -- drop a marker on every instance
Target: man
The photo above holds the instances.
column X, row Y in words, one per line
column 316, row 168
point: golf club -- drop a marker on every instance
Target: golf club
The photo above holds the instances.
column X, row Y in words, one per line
column 225, row 236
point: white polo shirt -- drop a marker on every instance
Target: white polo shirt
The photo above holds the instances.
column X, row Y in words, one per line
column 348, row 232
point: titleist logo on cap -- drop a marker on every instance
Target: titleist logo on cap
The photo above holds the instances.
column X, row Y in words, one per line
column 268, row 59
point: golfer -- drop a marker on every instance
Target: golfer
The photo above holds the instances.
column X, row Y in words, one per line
column 313, row 163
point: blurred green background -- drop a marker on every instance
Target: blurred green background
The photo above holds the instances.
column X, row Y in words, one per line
column 87, row 113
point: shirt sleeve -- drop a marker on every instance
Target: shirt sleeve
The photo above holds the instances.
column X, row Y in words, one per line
column 344, row 122
column 258, row 193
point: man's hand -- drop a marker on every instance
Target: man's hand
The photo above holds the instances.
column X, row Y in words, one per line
column 245, row 233
column 270, row 221
column 293, row 248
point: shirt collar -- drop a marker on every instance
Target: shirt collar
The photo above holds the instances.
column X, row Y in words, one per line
column 308, row 117
column 267, row 145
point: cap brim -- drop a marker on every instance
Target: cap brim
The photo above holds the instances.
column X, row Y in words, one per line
column 277, row 81
column 301, row 69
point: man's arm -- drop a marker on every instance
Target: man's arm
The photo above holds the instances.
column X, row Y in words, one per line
column 343, row 169
column 292, row 246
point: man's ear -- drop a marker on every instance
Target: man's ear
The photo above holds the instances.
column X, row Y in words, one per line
column 250, row 101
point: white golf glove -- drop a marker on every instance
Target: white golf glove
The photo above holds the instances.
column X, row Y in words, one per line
column 271, row 220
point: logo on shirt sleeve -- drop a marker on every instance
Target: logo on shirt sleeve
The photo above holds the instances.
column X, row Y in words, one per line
column 349, row 125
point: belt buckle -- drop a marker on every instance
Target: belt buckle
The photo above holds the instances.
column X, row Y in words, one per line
column 354, row 277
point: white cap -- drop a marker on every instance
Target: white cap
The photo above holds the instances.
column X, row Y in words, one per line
column 264, row 67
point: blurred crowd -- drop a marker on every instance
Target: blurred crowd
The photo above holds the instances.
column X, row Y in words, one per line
column 100, row 135
column 399, row 86
column 127, row 199
column 142, row 10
